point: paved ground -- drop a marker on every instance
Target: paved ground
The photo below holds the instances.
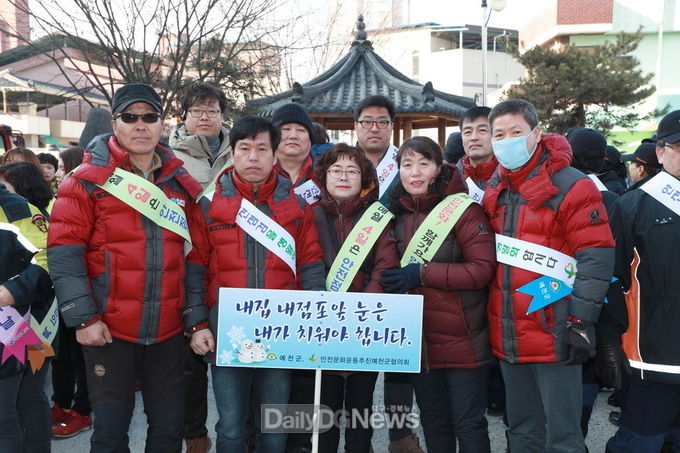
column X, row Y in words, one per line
column 600, row 430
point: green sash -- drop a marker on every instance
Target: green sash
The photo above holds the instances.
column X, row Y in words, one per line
column 149, row 200
column 357, row 246
column 431, row 233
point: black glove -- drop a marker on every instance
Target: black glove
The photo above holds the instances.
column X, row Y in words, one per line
column 579, row 344
column 610, row 364
column 402, row 280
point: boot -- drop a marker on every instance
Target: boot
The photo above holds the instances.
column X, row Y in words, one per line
column 198, row 445
column 408, row 444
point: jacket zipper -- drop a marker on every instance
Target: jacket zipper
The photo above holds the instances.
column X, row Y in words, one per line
column 509, row 222
column 255, row 252
column 152, row 298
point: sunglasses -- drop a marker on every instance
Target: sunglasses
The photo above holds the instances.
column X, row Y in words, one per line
column 133, row 117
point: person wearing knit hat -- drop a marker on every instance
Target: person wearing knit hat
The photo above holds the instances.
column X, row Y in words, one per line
column 293, row 152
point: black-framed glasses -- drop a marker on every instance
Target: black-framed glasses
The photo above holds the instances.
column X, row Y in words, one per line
column 197, row 113
column 672, row 146
column 367, row 124
column 133, row 117
column 349, row 174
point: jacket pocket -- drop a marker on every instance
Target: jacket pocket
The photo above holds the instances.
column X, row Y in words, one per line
column 102, row 284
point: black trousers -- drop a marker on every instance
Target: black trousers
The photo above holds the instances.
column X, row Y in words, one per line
column 452, row 404
column 68, row 373
column 351, row 393
column 111, row 373
column 196, row 388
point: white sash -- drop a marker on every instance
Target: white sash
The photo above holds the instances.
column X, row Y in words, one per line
column 665, row 189
column 601, row 187
column 535, row 258
column 267, row 232
column 387, row 170
column 474, row 191
column 309, row 191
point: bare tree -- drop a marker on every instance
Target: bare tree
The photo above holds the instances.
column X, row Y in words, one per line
column 167, row 43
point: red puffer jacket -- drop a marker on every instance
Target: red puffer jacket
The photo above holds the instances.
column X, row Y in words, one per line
column 479, row 174
column 225, row 256
column 456, row 280
column 335, row 221
column 108, row 260
column 549, row 203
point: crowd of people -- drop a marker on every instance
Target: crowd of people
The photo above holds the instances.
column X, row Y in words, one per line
column 553, row 278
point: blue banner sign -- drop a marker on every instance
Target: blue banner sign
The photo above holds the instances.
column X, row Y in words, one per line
column 319, row 329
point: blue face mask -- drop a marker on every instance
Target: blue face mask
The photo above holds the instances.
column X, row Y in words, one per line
column 512, row 152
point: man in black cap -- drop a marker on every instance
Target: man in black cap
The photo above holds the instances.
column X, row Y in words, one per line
column 116, row 254
column 643, row 164
column 646, row 225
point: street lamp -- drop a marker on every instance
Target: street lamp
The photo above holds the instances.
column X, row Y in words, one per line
column 496, row 5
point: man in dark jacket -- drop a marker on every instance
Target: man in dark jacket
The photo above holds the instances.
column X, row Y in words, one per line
column 549, row 222
column 25, row 287
column 116, row 254
column 643, row 164
column 646, row 224
column 226, row 254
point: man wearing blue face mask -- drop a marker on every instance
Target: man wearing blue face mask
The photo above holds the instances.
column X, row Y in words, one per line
column 550, row 223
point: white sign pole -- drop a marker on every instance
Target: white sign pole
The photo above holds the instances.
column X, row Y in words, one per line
column 317, row 405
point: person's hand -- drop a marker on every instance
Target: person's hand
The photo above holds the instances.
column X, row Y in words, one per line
column 6, row 298
column 578, row 343
column 403, row 279
column 610, row 364
column 202, row 342
column 96, row 334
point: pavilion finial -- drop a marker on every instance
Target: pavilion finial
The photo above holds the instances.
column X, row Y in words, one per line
column 360, row 32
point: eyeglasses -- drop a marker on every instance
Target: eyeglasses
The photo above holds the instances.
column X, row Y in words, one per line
column 672, row 146
column 367, row 124
column 197, row 113
column 349, row 174
column 133, row 117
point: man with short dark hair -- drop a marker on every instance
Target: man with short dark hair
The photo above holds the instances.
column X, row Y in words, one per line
column 646, row 224
column 373, row 123
column 549, row 221
column 116, row 254
column 479, row 163
column 202, row 140
column 228, row 253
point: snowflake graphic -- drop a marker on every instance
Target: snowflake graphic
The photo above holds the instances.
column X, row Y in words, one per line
column 236, row 335
column 226, row 356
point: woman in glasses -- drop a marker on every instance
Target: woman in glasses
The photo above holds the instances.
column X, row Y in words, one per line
column 349, row 190
column 447, row 252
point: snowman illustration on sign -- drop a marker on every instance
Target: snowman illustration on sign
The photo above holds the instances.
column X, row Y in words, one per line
column 259, row 351
column 246, row 351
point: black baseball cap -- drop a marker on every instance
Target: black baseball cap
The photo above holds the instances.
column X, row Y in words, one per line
column 669, row 128
column 645, row 154
column 128, row 94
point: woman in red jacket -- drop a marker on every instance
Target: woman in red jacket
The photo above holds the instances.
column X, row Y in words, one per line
column 349, row 189
column 448, row 255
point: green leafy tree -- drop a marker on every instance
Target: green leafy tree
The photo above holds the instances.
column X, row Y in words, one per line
column 578, row 86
